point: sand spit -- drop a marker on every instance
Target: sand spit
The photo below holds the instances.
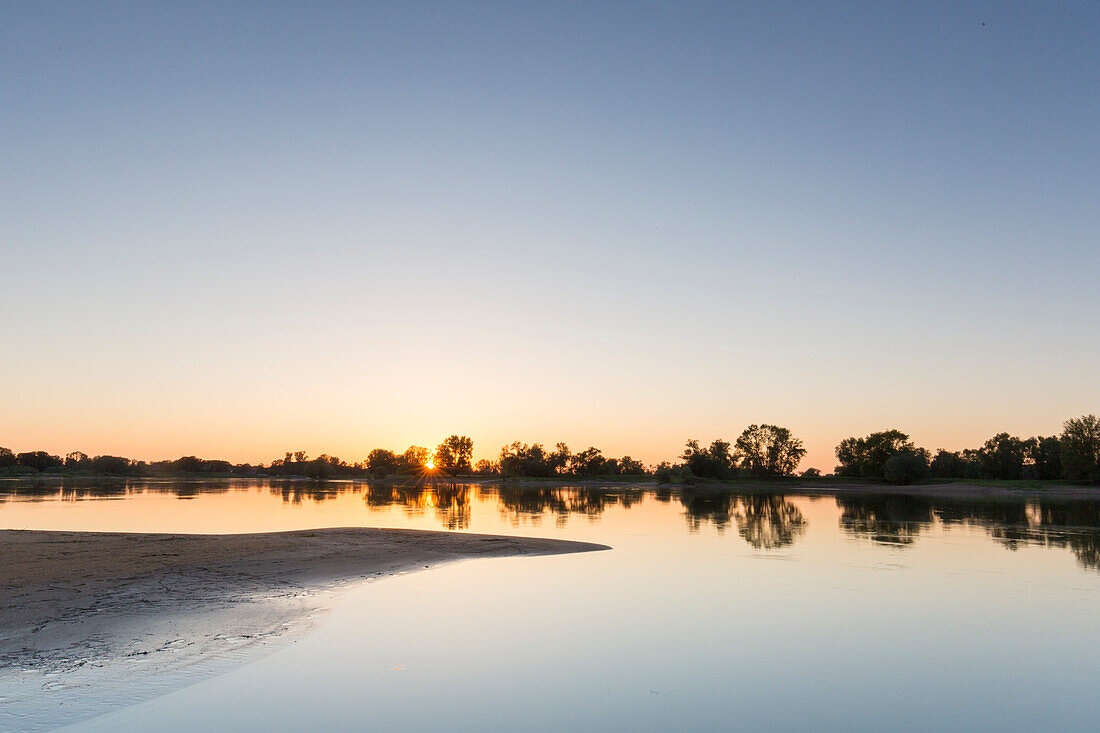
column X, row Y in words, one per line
column 80, row 609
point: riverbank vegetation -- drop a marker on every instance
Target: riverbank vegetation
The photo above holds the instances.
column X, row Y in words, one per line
column 761, row 452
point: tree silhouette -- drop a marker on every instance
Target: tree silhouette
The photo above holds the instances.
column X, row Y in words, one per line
column 1081, row 449
column 867, row 456
column 454, row 453
column 768, row 451
column 712, row 462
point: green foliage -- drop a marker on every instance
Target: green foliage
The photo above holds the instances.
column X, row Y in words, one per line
column 1003, row 456
column 866, row 457
column 1080, row 449
column 906, row 468
column 1046, row 458
column 768, row 451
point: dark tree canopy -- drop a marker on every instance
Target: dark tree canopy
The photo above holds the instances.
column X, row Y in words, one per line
column 39, row 460
column 381, row 463
column 455, row 453
column 866, row 457
column 415, row 458
column 906, row 468
column 768, row 451
column 589, row 462
column 1003, row 456
column 7, row 458
column 1081, row 448
column 715, row 461
column 520, row 459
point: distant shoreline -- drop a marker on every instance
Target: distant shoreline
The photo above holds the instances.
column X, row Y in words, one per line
column 945, row 489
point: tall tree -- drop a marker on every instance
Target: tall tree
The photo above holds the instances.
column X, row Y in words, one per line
column 414, row 458
column 768, row 450
column 454, row 453
column 1046, row 457
column 1003, row 456
column 381, row 463
column 1081, row 448
column 559, row 459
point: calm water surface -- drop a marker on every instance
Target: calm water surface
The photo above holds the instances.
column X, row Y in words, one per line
column 714, row 611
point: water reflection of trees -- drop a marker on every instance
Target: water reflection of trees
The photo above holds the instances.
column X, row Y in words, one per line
column 898, row 520
column 75, row 488
column 768, row 522
column 765, row 521
column 1073, row 525
column 448, row 502
column 295, row 492
column 530, row 503
column 890, row 520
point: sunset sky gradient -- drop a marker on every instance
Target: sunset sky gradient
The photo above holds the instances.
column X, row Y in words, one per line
column 233, row 230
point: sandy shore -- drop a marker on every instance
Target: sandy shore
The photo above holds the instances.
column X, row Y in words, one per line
column 75, row 606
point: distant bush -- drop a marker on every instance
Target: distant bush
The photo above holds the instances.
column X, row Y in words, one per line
column 905, row 468
column 811, row 473
column 663, row 474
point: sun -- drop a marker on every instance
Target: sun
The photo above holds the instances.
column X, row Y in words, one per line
column 429, row 464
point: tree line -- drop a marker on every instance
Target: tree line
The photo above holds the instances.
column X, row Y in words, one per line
column 761, row 451
column 890, row 455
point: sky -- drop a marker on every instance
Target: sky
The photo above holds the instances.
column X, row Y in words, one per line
column 234, row 229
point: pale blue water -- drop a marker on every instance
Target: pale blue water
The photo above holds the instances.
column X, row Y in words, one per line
column 709, row 613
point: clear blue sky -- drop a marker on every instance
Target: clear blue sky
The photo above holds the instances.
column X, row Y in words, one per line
column 238, row 229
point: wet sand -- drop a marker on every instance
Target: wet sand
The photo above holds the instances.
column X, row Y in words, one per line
column 73, row 604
